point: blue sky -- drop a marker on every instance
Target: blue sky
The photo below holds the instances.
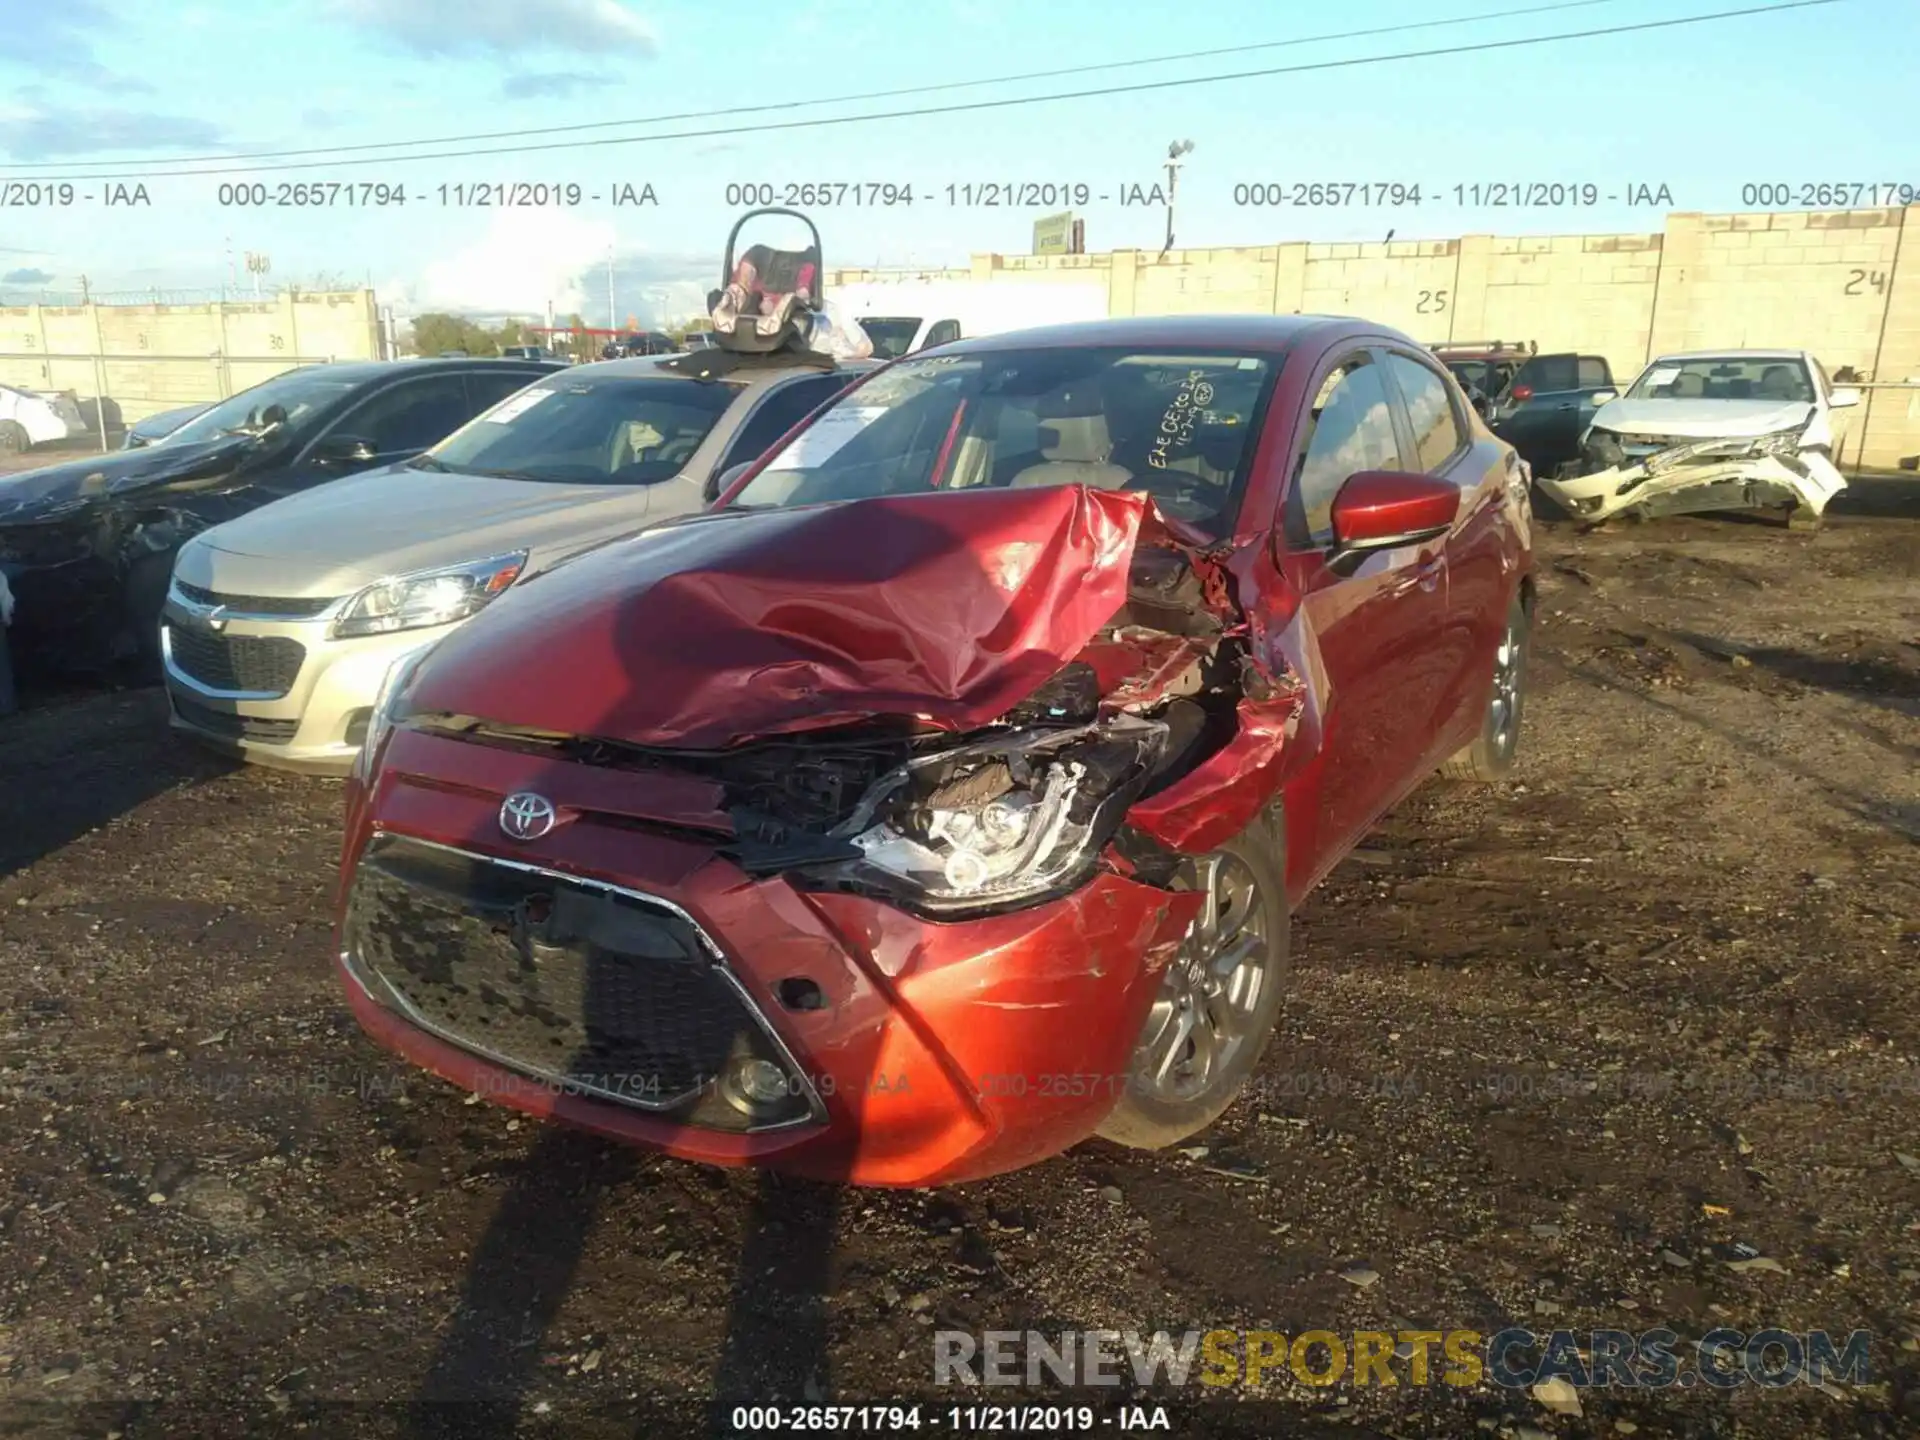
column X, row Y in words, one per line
column 1802, row 96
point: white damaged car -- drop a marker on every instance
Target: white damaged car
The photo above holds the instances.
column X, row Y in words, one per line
column 1713, row 430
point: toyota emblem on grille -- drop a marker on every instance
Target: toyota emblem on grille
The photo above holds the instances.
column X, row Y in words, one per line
column 526, row 816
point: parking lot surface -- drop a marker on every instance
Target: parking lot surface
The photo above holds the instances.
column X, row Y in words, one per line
column 1554, row 1048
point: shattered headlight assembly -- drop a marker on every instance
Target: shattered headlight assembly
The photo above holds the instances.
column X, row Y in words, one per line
column 1016, row 845
column 1011, row 829
column 389, row 708
column 428, row 597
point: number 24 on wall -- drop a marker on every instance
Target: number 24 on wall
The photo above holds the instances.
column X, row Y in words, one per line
column 1859, row 280
column 1432, row 302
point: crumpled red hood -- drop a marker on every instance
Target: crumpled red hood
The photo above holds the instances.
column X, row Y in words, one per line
column 953, row 607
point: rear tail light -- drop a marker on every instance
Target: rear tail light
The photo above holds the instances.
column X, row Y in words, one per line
column 1523, row 392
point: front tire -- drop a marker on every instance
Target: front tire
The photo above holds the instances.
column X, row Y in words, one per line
column 14, row 439
column 1490, row 756
column 1214, row 1015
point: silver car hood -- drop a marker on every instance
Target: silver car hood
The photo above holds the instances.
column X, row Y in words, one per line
column 353, row 532
column 1701, row 419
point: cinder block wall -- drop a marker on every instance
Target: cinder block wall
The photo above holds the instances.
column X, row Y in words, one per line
column 161, row 356
column 1843, row 284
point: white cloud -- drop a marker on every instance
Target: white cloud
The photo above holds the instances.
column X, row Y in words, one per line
column 504, row 28
column 522, row 260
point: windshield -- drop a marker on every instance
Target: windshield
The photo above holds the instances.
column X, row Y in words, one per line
column 1725, row 377
column 299, row 392
column 892, row 336
column 588, row 432
column 1178, row 426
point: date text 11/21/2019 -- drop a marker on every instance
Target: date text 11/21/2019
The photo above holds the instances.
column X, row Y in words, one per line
column 1467, row 195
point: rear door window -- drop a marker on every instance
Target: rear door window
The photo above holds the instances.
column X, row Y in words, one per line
column 1550, row 374
column 487, row 388
column 1595, row 374
column 406, row 418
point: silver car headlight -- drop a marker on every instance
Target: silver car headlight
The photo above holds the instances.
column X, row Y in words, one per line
column 389, row 704
column 428, row 597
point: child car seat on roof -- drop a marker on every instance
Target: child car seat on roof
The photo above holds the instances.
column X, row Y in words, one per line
column 766, row 300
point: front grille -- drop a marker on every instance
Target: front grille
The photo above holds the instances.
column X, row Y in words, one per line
column 234, row 727
column 261, row 664
column 587, row 989
column 292, row 608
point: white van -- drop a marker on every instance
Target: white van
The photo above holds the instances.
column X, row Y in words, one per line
column 911, row 316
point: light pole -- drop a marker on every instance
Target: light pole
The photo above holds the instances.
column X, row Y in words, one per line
column 1174, row 153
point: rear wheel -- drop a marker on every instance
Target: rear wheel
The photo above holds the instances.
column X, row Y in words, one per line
column 14, row 440
column 1214, row 1014
column 1490, row 756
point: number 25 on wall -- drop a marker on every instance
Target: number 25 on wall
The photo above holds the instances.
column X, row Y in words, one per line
column 1432, row 302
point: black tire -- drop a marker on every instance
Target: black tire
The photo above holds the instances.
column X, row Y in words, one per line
column 145, row 594
column 1152, row 1116
column 13, row 439
column 1491, row 754
column 1801, row 518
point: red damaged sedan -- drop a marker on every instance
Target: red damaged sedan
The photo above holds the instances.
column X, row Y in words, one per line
column 938, row 798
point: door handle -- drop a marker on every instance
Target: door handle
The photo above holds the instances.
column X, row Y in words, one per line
column 1570, row 405
column 1426, row 578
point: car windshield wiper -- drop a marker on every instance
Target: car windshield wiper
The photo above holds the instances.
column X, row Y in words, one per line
column 427, row 462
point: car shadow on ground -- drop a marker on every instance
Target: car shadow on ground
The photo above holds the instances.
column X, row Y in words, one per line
column 123, row 756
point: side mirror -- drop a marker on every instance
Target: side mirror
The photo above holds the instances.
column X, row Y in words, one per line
column 722, row 481
column 1379, row 509
column 1841, row 398
column 343, row 450
column 1601, row 397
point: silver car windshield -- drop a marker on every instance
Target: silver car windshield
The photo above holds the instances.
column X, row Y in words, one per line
column 580, row 431
column 1726, row 377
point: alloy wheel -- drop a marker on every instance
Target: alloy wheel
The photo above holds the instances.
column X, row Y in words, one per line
column 1503, row 711
column 1205, row 1012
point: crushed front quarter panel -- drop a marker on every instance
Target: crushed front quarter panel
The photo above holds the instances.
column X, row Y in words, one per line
column 1699, row 476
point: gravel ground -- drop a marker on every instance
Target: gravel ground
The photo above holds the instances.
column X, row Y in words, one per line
column 1556, row 1048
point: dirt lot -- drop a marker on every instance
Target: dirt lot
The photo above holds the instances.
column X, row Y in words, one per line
column 1555, row 1048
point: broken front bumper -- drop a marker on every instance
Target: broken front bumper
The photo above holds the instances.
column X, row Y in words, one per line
column 1699, row 477
column 626, row 979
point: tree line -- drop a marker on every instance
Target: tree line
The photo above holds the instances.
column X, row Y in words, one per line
column 435, row 333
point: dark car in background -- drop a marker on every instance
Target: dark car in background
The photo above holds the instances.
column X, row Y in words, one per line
column 87, row 547
column 1548, row 405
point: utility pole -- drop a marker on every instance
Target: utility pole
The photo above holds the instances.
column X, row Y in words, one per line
column 613, row 315
column 1175, row 151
